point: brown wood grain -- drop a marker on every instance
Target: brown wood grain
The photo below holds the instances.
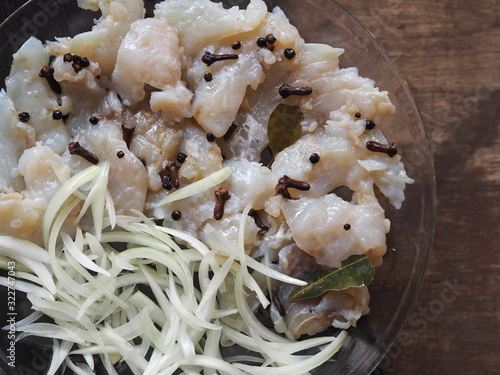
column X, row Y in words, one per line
column 449, row 51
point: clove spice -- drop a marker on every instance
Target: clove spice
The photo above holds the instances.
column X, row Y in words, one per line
column 221, row 196
column 285, row 91
column 47, row 72
column 285, row 183
column 173, row 169
column 258, row 221
column 75, row 148
column 389, row 149
column 209, row 58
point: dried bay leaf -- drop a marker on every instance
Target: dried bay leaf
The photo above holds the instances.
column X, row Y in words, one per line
column 284, row 128
column 355, row 271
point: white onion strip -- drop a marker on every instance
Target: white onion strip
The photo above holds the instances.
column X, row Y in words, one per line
column 90, row 291
column 199, row 186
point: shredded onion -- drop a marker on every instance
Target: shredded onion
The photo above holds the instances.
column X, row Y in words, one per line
column 141, row 305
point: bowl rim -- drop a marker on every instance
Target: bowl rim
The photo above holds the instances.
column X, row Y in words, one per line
column 416, row 283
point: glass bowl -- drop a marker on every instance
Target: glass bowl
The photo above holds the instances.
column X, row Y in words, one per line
column 398, row 280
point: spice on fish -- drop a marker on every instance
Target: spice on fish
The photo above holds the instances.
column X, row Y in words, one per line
column 285, row 91
column 181, row 157
column 271, row 39
column 314, row 158
column 209, row 58
column 24, row 116
column 94, row 120
column 208, row 77
column 173, row 169
column 120, row 154
column 211, row 137
column 221, row 197
column 370, row 125
column 57, row 115
column 47, row 72
column 263, row 228
column 285, row 183
column 289, row 53
column 389, row 149
column 357, row 115
column 75, row 148
column 84, row 62
column 167, row 182
column 262, row 42
column 236, row 45
column 176, row 215
column 347, row 226
column 78, row 62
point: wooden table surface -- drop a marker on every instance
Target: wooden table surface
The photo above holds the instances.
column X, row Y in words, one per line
column 449, row 51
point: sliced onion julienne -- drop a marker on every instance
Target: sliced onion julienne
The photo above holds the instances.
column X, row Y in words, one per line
column 214, row 363
column 25, row 287
column 10, row 246
column 302, row 367
column 104, row 313
column 31, row 256
column 199, row 186
column 43, row 274
column 65, row 192
column 210, row 288
column 60, row 351
column 217, row 238
column 80, row 257
column 97, row 199
column 49, row 330
column 78, row 369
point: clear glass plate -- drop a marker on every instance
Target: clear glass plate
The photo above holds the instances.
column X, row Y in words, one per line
column 397, row 282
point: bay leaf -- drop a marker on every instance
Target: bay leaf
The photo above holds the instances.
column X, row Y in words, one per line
column 283, row 128
column 355, row 271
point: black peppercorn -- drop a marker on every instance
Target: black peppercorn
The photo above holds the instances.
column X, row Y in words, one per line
column 176, row 215
column 270, row 38
column 314, row 158
column 357, row 115
column 262, row 42
column 94, row 120
column 370, row 125
column 57, row 115
column 68, row 57
column 84, row 62
column 236, row 45
column 208, row 77
column 211, row 137
column 167, row 182
column 289, row 53
column 24, row 117
column 181, row 157
column 120, row 154
column 347, row 226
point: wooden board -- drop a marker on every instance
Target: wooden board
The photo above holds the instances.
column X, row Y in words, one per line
column 449, row 51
